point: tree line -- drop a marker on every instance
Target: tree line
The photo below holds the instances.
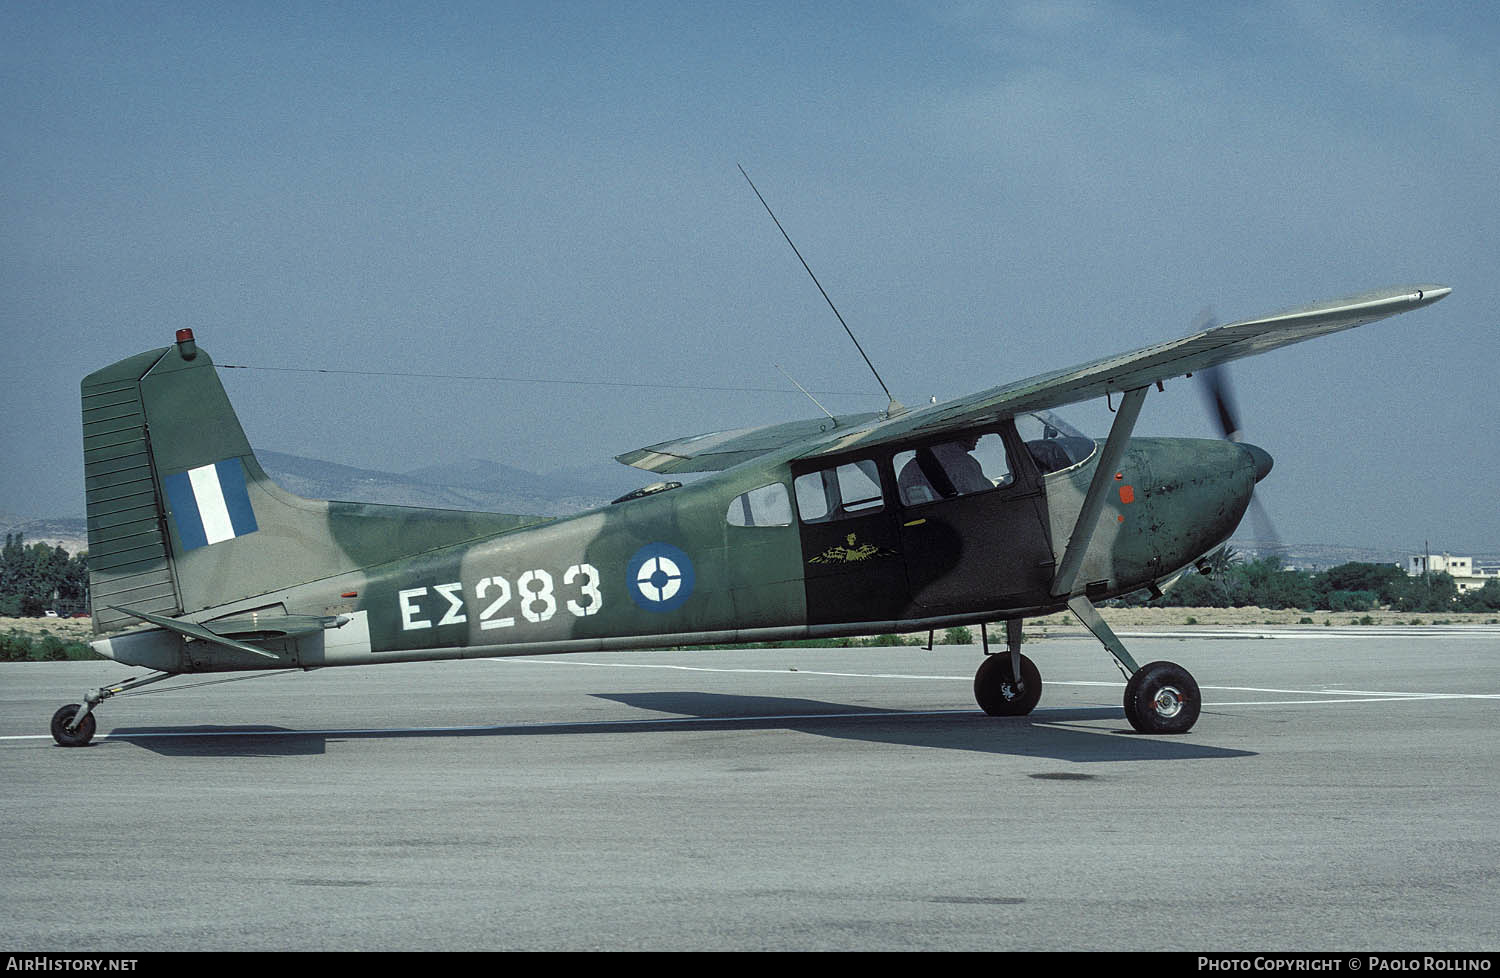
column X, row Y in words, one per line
column 1235, row 582
column 36, row 578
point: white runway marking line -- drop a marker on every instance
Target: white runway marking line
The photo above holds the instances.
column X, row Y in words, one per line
column 1343, row 695
column 1330, row 697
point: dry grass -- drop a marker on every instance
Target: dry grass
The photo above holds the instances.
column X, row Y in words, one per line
column 67, row 629
column 1172, row 617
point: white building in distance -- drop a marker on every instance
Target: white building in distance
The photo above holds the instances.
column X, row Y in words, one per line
column 1461, row 569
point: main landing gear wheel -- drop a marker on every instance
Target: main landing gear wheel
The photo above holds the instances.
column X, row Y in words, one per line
column 72, row 738
column 1162, row 698
column 995, row 686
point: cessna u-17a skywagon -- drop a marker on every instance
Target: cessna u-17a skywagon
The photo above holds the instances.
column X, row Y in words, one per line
column 906, row 520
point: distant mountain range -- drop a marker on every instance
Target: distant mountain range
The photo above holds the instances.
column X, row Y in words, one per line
column 475, row 485
column 491, row 487
column 472, row 485
column 71, row 532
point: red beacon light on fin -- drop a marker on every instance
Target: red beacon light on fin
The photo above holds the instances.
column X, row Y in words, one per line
column 186, row 345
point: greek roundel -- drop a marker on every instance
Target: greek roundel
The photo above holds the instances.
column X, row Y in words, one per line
column 660, row 577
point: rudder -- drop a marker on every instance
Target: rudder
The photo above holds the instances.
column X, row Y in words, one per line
column 128, row 558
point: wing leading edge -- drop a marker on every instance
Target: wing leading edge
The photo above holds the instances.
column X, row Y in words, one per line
column 1116, row 374
column 1143, row 367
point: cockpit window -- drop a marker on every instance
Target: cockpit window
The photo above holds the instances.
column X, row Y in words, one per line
column 1052, row 443
column 766, row 506
column 952, row 468
column 851, row 489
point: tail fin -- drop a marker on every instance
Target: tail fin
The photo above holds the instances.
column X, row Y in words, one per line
column 182, row 518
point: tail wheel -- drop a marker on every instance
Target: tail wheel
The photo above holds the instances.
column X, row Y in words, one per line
column 1162, row 698
column 996, row 691
column 63, row 718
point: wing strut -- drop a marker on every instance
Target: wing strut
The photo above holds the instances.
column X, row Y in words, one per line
column 1088, row 520
column 1093, row 503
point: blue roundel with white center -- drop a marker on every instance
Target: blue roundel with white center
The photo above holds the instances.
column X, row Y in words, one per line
column 659, row 577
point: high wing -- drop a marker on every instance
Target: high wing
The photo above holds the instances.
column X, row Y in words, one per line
column 1146, row 366
column 1116, row 374
column 720, row 450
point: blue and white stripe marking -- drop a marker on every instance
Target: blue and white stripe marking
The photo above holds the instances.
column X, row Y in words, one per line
column 210, row 504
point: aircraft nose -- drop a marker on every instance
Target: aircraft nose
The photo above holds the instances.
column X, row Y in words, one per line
column 1262, row 459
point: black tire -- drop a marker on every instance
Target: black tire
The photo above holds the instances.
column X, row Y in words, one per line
column 72, row 738
column 1162, row 698
column 995, row 687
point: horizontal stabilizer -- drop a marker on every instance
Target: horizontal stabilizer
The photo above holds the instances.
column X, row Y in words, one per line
column 193, row 630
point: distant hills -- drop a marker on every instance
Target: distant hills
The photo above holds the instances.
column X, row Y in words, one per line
column 475, row 484
column 69, row 531
column 472, row 485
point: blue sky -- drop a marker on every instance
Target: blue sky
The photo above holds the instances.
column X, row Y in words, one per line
column 550, row 191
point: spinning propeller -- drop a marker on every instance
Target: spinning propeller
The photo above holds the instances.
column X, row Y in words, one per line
column 1219, row 394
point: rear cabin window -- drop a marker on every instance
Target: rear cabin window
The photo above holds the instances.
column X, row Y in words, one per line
column 952, row 468
column 766, row 506
column 851, row 489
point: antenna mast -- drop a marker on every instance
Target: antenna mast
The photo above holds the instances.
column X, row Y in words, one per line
column 809, row 396
column 896, row 406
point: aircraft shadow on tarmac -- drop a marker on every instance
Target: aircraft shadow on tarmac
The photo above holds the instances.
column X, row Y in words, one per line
column 1043, row 734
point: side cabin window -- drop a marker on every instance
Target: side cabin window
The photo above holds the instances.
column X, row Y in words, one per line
column 766, row 506
column 851, row 489
column 966, row 465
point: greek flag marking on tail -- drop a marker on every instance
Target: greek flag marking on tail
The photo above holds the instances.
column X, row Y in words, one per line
column 210, row 504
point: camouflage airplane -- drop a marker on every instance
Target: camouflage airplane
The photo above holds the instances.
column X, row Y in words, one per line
column 982, row 509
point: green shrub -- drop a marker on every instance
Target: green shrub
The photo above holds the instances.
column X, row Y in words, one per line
column 1352, row 600
column 20, row 647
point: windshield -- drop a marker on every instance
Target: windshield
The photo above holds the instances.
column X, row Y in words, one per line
column 1053, row 443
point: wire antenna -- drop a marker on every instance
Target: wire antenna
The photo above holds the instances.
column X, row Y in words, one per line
column 895, row 407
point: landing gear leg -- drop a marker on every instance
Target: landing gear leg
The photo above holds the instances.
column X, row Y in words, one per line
column 1008, row 685
column 1160, row 697
column 73, row 725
